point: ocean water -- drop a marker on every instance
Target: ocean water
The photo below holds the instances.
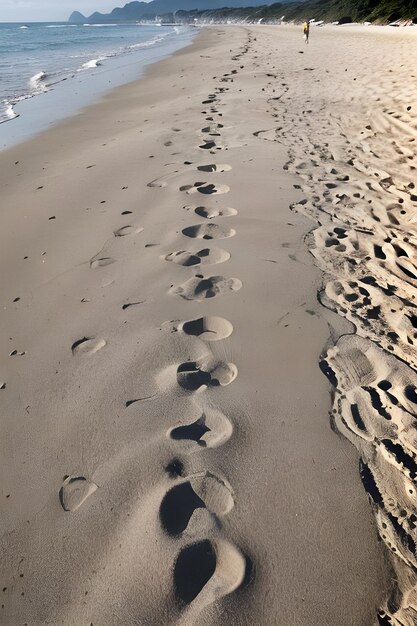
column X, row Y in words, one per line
column 36, row 58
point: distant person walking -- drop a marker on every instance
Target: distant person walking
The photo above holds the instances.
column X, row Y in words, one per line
column 306, row 31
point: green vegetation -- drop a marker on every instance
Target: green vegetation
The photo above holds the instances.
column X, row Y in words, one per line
column 379, row 11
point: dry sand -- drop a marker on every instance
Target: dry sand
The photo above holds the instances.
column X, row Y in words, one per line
column 167, row 455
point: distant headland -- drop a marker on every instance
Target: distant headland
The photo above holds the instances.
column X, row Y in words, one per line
column 395, row 12
column 135, row 11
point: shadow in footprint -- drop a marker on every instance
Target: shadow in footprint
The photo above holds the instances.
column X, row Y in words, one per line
column 174, row 468
column 101, row 262
column 198, row 288
column 210, row 213
column 211, row 430
column 193, row 569
column 74, row 491
column 192, row 375
column 127, row 230
column 214, row 167
column 207, row 256
column 192, row 432
column 205, row 188
column 183, row 257
column 208, row 231
column 177, row 508
column 205, row 287
column 87, row 345
column 212, row 189
column 191, row 378
column 210, row 568
column 209, row 328
column 205, row 491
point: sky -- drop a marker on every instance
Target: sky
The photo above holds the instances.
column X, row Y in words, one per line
column 52, row 10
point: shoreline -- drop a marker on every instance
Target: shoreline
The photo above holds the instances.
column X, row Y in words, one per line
column 298, row 511
column 84, row 86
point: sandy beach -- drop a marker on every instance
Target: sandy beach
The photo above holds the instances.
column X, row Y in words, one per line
column 208, row 295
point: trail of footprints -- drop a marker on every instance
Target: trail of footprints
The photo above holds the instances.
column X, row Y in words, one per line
column 76, row 489
column 359, row 183
column 211, row 566
column 207, row 568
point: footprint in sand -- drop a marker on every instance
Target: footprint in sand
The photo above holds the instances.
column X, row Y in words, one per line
column 205, row 188
column 193, row 375
column 127, row 230
column 208, row 570
column 379, row 386
column 87, row 345
column 201, row 491
column 174, row 468
column 163, row 181
column 380, row 313
column 211, row 430
column 101, row 262
column 210, row 213
column 211, row 133
column 208, row 231
column 374, row 407
column 210, row 100
column 74, row 492
column 17, row 353
column 207, row 256
column 207, row 145
column 210, row 328
column 214, row 167
column 198, row 288
column 212, row 130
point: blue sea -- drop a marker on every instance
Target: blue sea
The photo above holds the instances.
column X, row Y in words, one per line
column 36, row 58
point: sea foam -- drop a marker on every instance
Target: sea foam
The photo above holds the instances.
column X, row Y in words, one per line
column 91, row 64
column 37, row 82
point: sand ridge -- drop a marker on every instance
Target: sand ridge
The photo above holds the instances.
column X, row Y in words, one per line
column 354, row 151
